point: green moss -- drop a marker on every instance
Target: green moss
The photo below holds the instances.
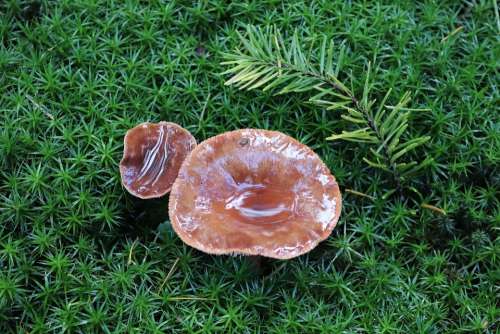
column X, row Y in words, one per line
column 77, row 255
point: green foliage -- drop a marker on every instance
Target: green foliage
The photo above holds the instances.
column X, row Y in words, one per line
column 267, row 62
column 78, row 255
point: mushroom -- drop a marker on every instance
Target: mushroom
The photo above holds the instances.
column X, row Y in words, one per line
column 254, row 192
column 152, row 156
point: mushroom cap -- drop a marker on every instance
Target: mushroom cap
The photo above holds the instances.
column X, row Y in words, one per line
column 254, row 192
column 152, row 156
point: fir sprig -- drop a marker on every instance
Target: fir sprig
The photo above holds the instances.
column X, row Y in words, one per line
column 266, row 61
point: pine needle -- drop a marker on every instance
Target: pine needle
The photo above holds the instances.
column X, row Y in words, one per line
column 433, row 208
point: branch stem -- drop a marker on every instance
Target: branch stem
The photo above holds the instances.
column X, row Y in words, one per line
column 357, row 105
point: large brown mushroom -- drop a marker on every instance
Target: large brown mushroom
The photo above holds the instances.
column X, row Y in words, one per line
column 152, row 156
column 254, row 192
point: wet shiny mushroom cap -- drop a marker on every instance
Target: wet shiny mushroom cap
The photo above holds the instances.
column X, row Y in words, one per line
column 152, row 156
column 254, row 192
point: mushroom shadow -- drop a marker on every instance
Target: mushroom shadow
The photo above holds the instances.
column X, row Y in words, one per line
column 243, row 268
column 143, row 216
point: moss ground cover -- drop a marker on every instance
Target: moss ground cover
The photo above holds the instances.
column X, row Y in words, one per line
column 79, row 255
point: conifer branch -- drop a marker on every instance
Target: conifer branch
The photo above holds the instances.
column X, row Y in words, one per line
column 268, row 63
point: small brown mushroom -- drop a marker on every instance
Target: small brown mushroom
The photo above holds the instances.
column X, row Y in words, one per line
column 254, row 192
column 152, row 156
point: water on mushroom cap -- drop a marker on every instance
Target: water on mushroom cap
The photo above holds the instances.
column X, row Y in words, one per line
column 260, row 204
column 155, row 160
